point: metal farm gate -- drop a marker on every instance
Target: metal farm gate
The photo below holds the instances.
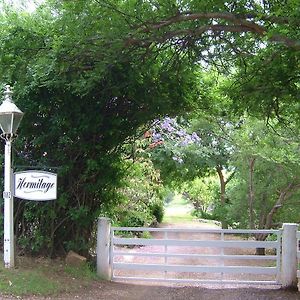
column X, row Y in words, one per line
column 298, row 254
column 195, row 255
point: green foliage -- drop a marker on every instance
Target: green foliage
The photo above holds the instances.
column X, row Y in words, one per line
column 204, row 215
column 220, row 213
column 275, row 176
column 141, row 195
column 89, row 74
column 134, row 219
column 203, row 193
column 83, row 94
column 272, row 91
column 270, row 181
column 158, row 211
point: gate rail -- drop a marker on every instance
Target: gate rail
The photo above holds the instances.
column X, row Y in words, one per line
column 298, row 254
column 117, row 255
column 114, row 254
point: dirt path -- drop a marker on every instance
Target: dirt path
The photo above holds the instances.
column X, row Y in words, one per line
column 120, row 291
column 192, row 261
column 173, row 250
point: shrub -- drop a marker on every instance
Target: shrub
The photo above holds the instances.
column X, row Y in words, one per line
column 158, row 212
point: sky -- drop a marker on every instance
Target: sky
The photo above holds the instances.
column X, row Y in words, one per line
column 28, row 5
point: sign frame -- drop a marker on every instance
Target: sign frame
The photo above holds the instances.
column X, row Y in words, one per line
column 42, row 190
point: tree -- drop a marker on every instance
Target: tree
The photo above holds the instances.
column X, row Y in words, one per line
column 255, row 41
column 81, row 100
column 203, row 193
column 267, row 170
column 218, row 22
column 267, row 85
column 251, row 35
column 184, row 154
column 141, row 202
column 88, row 74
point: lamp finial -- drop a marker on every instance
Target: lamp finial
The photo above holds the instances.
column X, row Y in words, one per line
column 7, row 93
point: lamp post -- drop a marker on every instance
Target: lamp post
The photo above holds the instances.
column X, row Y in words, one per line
column 10, row 118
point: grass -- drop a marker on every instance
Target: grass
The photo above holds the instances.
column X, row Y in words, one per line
column 85, row 272
column 179, row 210
column 22, row 282
column 44, row 277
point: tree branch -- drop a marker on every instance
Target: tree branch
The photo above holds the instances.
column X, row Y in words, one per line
column 124, row 14
column 188, row 32
column 230, row 177
column 283, row 196
column 196, row 16
column 239, row 23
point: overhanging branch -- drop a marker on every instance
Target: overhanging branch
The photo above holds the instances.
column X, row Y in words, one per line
column 197, row 32
column 162, row 30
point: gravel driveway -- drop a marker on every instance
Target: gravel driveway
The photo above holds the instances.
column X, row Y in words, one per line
column 120, row 291
column 194, row 259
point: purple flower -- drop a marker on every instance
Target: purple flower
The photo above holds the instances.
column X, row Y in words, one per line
column 178, row 159
column 156, row 137
column 187, row 140
column 181, row 132
column 167, row 124
column 195, row 137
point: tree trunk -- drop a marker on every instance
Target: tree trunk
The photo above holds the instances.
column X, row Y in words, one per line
column 251, row 193
column 283, row 196
column 260, row 251
column 222, row 195
column 251, row 198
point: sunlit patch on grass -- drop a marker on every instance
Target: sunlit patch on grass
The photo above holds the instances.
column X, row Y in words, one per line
column 179, row 210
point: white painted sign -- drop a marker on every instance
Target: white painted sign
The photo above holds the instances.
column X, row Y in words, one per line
column 35, row 185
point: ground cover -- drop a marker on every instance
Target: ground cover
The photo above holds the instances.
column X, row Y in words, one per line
column 178, row 210
column 43, row 277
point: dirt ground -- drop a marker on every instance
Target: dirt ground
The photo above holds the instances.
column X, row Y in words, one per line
column 121, row 291
column 193, row 260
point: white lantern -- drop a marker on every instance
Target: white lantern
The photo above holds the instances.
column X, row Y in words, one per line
column 10, row 114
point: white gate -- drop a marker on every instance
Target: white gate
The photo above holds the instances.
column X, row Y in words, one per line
column 195, row 255
column 298, row 254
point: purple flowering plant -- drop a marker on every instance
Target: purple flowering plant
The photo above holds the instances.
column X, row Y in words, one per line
column 168, row 132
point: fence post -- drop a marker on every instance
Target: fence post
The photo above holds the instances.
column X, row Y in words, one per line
column 103, row 249
column 289, row 256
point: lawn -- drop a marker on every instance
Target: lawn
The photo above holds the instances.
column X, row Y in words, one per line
column 179, row 210
column 41, row 276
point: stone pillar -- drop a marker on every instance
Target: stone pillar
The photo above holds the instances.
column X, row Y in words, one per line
column 289, row 256
column 103, row 249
